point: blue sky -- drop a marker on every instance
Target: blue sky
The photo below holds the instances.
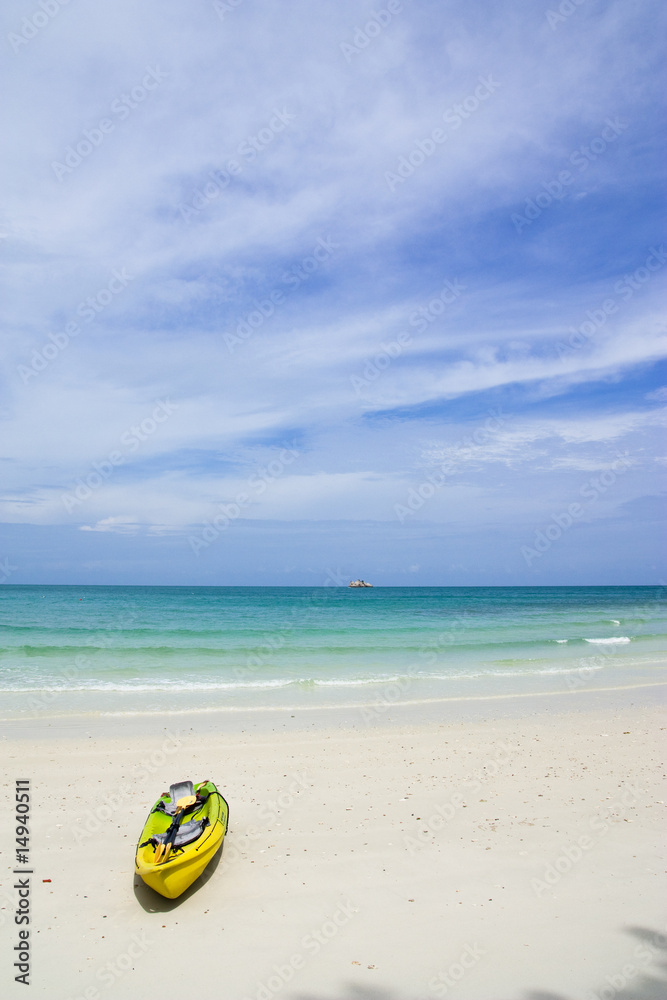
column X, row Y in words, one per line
column 294, row 293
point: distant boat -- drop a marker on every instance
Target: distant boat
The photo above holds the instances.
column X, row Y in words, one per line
column 359, row 583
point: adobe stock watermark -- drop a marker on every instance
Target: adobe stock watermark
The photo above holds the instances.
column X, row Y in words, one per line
column 441, row 643
column 555, row 189
column 118, row 966
column 235, row 848
column 131, row 440
column 6, row 569
column 36, row 22
column 587, row 669
column 114, row 969
column 571, row 854
column 617, row 982
column 592, row 490
column 8, row 907
column 446, row 811
column 248, row 151
column 392, row 691
column 43, row 699
column 565, row 9
column 362, row 38
column 625, row 287
column 225, row 7
column 272, row 809
column 311, row 602
column 121, row 107
column 419, row 495
column 311, row 944
column 420, row 318
column 294, row 618
column 590, row 665
column 88, row 310
column 256, row 486
column 444, row 981
column 292, row 279
column 454, row 116
column 93, row 820
column 261, row 654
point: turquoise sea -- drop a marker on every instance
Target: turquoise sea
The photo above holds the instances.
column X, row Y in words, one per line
column 69, row 649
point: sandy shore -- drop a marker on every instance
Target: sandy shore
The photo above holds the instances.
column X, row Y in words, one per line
column 515, row 856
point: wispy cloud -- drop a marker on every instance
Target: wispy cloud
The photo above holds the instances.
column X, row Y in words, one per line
column 207, row 153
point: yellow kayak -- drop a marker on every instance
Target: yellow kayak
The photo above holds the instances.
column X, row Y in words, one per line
column 193, row 833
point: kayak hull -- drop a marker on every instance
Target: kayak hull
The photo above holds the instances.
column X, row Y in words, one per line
column 172, row 877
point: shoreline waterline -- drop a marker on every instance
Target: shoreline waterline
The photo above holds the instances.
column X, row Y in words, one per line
column 69, row 651
column 357, row 717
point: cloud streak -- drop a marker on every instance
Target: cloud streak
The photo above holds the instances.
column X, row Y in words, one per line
column 232, row 161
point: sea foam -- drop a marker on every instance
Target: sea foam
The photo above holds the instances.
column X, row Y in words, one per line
column 613, row 640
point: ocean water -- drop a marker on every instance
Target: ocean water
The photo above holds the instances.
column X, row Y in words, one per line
column 69, row 649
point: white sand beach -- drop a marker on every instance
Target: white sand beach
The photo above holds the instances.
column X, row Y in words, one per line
column 513, row 855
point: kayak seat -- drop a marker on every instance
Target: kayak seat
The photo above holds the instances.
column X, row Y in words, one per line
column 168, row 807
column 187, row 833
column 177, row 791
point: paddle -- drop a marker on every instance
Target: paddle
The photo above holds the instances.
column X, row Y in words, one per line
column 164, row 850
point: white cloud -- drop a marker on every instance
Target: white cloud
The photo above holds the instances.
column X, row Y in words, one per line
column 322, row 176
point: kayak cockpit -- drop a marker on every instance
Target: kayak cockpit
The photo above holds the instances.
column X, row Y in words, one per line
column 183, row 832
column 187, row 833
